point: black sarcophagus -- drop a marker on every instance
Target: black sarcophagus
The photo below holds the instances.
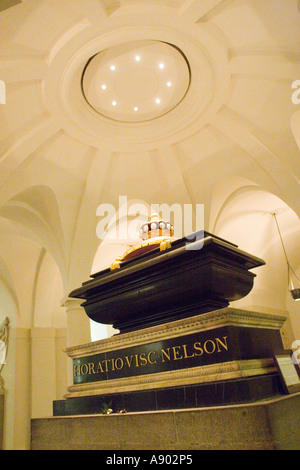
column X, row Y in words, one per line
column 194, row 275
column 180, row 345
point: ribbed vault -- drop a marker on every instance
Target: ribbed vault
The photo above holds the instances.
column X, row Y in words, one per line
column 59, row 160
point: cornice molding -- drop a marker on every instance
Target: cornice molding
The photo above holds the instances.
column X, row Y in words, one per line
column 207, row 321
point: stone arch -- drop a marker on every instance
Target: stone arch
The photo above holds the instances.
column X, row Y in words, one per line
column 34, row 214
column 245, row 218
column 121, row 232
column 47, row 294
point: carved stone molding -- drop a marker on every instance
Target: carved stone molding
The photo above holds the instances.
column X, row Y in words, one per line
column 195, row 375
column 206, row 321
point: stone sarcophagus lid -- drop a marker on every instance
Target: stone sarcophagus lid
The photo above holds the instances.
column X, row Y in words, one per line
column 164, row 279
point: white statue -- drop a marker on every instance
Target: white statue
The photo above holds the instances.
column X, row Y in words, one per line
column 3, row 345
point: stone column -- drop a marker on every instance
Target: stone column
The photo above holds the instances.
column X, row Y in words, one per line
column 78, row 328
column 61, row 363
column 43, row 371
column 78, row 323
column 19, row 392
column 48, row 369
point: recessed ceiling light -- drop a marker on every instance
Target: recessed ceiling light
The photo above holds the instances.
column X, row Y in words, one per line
column 137, row 93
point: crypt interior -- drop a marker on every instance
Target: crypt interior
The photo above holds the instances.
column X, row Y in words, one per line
column 176, row 102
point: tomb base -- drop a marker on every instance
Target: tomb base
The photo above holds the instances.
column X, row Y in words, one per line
column 272, row 424
column 221, row 358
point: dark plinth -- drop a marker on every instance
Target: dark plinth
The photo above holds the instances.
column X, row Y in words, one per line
column 229, row 392
column 202, row 348
column 194, row 276
column 217, row 358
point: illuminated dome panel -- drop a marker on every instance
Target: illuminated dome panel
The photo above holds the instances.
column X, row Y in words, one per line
column 136, row 81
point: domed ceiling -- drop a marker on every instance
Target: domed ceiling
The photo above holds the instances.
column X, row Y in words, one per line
column 161, row 101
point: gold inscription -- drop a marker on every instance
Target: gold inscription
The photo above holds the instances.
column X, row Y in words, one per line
column 185, row 353
column 166, row 355
column 149, row 357
column 119, row 363
column 177, row 353
column 174, row 353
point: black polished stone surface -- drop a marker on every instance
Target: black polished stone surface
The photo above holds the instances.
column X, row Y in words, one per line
column 196, row 275
column 223, row 344
column 230, row 392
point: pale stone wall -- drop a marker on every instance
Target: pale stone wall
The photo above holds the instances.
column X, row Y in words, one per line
column 268, row 425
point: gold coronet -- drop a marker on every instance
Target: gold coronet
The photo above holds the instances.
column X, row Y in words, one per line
column 161, row 242
column 155, row 233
